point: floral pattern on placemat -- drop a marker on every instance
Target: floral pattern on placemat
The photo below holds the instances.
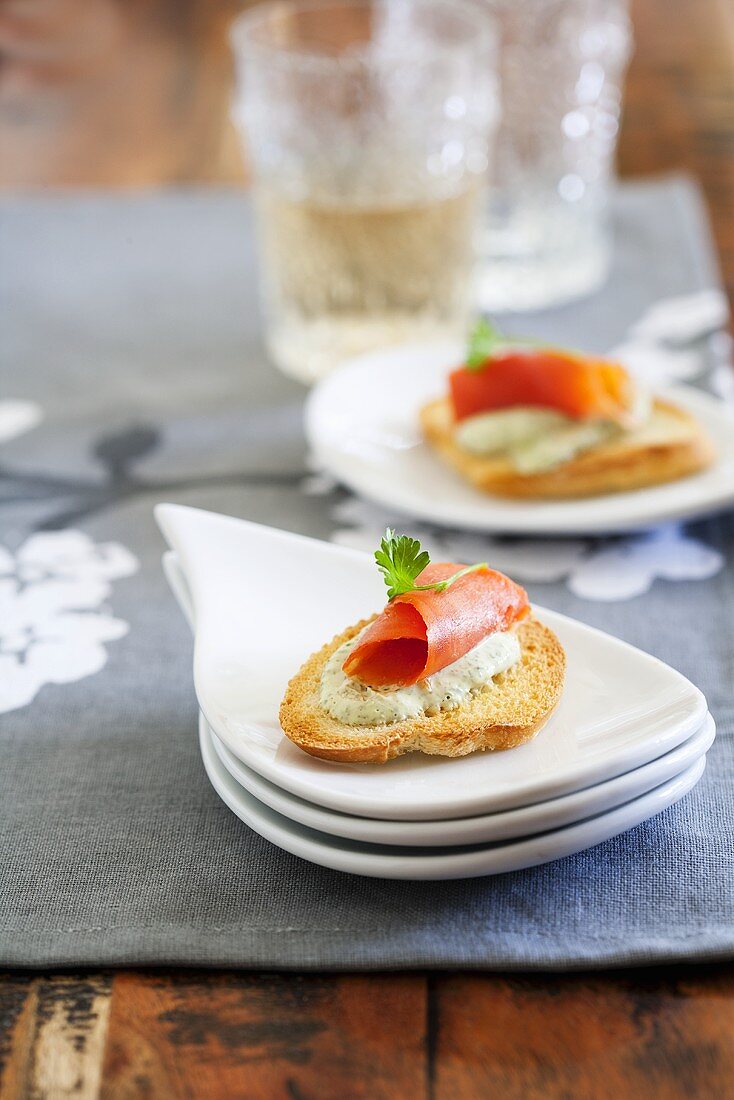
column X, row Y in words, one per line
column 593, row 569
column 53, row 620
column 17, row 417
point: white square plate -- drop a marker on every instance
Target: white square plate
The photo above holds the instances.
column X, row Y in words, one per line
column 362, row 426
column 263, row 600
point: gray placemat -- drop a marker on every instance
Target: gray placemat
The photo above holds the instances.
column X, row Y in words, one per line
column 132, row 371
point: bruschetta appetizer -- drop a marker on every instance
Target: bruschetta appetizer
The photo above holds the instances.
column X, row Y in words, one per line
column 455, row 663
column 526, row 421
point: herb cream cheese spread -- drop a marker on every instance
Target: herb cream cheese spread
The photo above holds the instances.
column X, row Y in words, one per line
column 532, row 439
column 355, row 704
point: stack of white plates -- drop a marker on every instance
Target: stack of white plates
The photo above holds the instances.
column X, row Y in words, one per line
column 628, row 739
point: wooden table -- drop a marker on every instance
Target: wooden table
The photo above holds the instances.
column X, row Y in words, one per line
column 643, row 1033
column 664, row 1032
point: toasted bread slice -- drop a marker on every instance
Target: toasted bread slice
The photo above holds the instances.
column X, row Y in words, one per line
column 506, row 713
column 670, row 446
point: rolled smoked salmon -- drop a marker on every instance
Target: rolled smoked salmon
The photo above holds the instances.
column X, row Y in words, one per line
column 420, row 633
column 577, row 387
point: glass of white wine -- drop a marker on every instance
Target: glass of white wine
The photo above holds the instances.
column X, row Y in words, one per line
column 367, row 125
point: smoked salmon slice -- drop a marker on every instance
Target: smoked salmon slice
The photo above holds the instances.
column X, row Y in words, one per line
column 420, row 633
column 570, row 384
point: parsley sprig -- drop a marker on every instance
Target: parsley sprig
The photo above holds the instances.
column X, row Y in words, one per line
column 401, row 560
column 485, row 340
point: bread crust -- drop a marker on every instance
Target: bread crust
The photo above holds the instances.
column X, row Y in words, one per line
column 503, row 715
column 674, row 446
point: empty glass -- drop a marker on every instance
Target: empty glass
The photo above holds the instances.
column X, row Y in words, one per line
column 561, row 66
column 367, row 125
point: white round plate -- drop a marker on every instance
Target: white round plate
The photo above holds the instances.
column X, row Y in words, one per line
column 507, row 825
column 262, row 600
column 437, row 863
column 362, row 425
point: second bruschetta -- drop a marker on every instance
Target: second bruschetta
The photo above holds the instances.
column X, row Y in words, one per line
column 526, row 421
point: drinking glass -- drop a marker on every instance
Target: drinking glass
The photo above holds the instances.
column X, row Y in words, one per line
column 561, row 64
column 367, row 126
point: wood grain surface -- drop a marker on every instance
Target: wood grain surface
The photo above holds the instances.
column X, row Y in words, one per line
column 644, row 1033
column 95, row 93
